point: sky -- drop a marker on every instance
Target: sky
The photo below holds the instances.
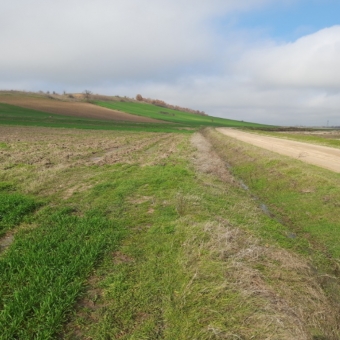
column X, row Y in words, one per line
column 266, row 61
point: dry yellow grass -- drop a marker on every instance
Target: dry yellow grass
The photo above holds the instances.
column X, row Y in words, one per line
column 47, row 154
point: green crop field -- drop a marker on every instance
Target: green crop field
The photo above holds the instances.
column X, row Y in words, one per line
column 174, row 116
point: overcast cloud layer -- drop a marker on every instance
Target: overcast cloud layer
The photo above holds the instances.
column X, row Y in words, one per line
column 176, row 51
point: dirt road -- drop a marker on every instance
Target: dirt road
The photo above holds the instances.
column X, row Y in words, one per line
column 323, row 156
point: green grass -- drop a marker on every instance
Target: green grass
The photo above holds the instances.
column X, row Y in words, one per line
column 44, row 270
column 174, row 116
column 167, row 281
column 14, row 207
column 18, row 116
column 170, row 283
column 150, row 248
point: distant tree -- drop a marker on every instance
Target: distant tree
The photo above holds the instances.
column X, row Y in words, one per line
column 87, row 95
column 139, row 97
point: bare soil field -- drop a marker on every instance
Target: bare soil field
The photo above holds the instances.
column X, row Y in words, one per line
column 323, row 156
column 70, row 108
column 50, row 152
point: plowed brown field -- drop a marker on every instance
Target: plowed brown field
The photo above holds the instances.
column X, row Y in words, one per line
column 67, row 108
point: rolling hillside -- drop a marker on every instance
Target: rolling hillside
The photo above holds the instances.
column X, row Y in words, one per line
column 174, row 116
column 71, row 110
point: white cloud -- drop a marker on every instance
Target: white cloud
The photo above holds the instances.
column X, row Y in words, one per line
column 172, row 51
column 311, row 61
column 84, row 41
column 290, row 84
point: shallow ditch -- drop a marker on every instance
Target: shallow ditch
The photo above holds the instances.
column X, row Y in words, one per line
column 265, row 209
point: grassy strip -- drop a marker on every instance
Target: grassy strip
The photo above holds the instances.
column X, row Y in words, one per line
column 15, row 115
column 326, row 139
column 174, row 116
column 43, row 272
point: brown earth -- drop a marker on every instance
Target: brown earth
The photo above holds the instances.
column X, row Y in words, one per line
column 322, row 156
column 70, row 108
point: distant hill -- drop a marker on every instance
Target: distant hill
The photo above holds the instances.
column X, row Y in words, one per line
column 89, row 106
column 173, row 116
column 67, row 105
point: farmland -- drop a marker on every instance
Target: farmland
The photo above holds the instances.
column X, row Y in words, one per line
column 59, row 105
column 115, row 113
column 160, row 232
column 151, row 236
column 174, row 116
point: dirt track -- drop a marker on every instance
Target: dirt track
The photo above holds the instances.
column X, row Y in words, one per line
column 323, row 156
column 76, row 109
